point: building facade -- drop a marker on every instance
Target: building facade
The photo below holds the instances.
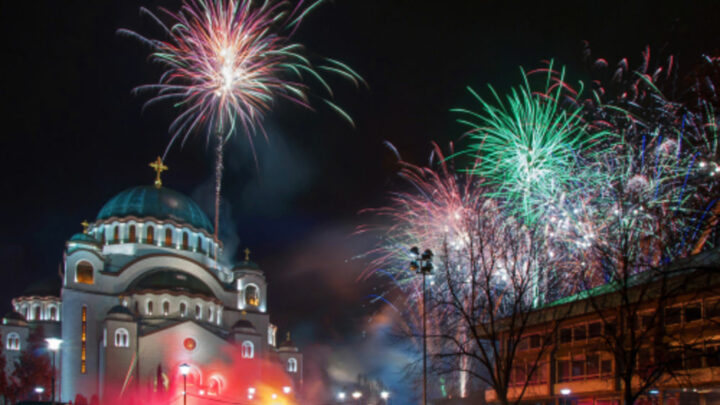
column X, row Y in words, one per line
column 144, row 290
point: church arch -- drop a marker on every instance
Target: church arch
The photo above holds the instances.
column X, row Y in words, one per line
column 183, row 309
column 292, row 365
column 36, row 311
column 168, row 236
column 122, row 337
column 84, row 273
column 13, row 341
column 252, row 295
column 116, row 234
column 248, row 350
column 149, row 307
column 132, row 236
column 150, row 235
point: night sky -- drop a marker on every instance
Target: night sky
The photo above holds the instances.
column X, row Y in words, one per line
column 73, row 134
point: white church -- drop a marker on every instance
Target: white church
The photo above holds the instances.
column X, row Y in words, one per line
column 145, row 291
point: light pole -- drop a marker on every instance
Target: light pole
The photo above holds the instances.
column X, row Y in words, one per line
column 424, row 267
column 184, row 370
column 53, row 345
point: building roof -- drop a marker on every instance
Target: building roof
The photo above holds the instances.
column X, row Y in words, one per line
column 120, row 310
column 173, row 280
column 160, row 203
column 45, row 287
column 244, row 325
column 83, row 237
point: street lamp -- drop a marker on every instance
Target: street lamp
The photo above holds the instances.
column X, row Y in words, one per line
column 424, row 267
column 357, row 395
column 39, row 391
column 341, row 396
column 53, row 344
column 184, row 370
column 385, row 395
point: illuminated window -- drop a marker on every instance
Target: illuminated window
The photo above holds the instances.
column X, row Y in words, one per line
column 149, row 307
column 53, row 313
column 166, row 307
column 36, row 313
column 248, row 350
column 185, row 241
column 150, row 235
column 84, row 273
column 104, row 337
column 168, row 237
column 116, row 234
column 214, row 386
column 252, row 295
column 83, row 341
column 13, row 341
column 132, row 238
column 183, row 309
column 122, row 338
column 292, row 365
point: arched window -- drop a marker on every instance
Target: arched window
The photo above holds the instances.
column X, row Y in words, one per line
column 102, row 236
column 53, row 313
column 198, row 312
column 116, row 234
column 36, row 313
column 150, row 235
column 166, row 307
column 132, row 238
column 248, row 350
column 122, row 337
column 168, row 237
column 183, row 309
column 186, row 241
column 292, row 365
column 252, row 295
column 13, row 341
column 84, row 273
column 210, row 315
column 137, row 307
column 214, row 385
column 200, row 245
column 149, row 307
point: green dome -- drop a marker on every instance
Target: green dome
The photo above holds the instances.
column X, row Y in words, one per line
column 82, row 237
column 160, row 203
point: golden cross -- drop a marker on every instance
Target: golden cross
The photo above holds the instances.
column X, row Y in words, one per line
column 247, row 254
column 85, row 224
column 159, row 167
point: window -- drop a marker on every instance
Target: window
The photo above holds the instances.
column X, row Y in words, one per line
column 137, row 308
column 132, row 238
column 248, row 350
column 53, row 313
column 36, row 313
column 166, row 308
column 168, row 237
column 673, row 315
column 594, row 330
column 534, row 341
column 84, row 273
column 563, row 370
column 198, row 312
column 122, row 338
column 593, row 365
column 150, row 235
column 104, row 337
column 149, row 307
column 200, row 245
column 83, row 340
column 183, row 309
column 693, row 312
column 565, row 335
column 185, row 241
column 580, row 332
column 578, row 368
column 606, row 368
column 210, row 315
column 13, row 341
column 252, row 295
column 102, row 236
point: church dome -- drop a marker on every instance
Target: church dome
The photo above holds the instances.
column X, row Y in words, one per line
column 171, row 280
column 45, row 287
column 119, row 311
column 83, row 237
column 244, row 325
column 160, row 203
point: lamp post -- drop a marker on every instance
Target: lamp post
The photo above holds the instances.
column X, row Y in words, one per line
column 53, row 344
column 184, row 370
column 424, row 267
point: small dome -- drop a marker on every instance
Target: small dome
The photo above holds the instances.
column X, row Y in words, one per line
column 160, row 203
column 120, row 310
column 246, row 265
column 45, row 287
column 288, row 345
column 13, row 317
column 85, row 238
column 245, row 326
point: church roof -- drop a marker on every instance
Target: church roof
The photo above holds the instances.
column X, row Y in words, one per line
column 83, row 237
column 173, row 280
column 244, row 324
column 160, row 203
column 45, row 287
column 120, row 310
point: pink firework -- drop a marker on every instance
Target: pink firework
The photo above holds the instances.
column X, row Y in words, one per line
column 226, row 64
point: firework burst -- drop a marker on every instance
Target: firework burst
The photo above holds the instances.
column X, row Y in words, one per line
column 227, row 62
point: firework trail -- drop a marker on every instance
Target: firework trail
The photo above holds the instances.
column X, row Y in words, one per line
column 227, row 62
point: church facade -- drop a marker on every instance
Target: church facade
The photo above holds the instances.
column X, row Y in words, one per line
column 144, row 291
